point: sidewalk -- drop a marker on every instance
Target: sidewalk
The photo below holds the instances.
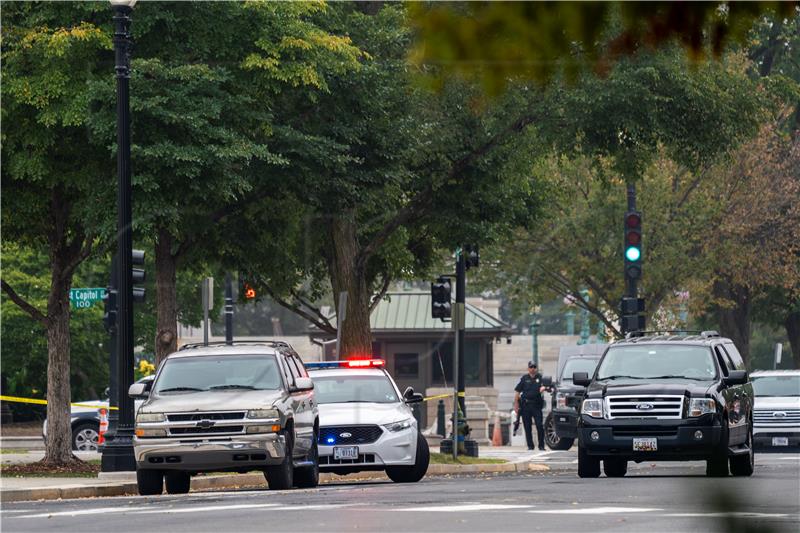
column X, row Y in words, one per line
column 52, row 488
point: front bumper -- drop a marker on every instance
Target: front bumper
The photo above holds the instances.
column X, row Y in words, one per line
column 675, row 438
column 390, row 449
column 242, row 452
column 566, row 423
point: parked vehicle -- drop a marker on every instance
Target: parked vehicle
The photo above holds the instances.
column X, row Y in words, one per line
column 777, row 408
column 667, row 397
column 85, row 421
column 241, row 407
column 365, row 423
column 561, row 424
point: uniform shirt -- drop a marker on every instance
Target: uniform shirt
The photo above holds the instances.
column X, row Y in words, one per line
column 528, row 389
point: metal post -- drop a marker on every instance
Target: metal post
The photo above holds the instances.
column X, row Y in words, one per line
column 455, row 383
column 205, row 299
column 534, row 330
column 107, row 460
column 121, row 447
column 461, row 289
column 630, row 283
column 228, row 309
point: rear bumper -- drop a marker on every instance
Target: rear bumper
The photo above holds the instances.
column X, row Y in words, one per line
column 245, row 452
column 675, row 439
column 391, row 449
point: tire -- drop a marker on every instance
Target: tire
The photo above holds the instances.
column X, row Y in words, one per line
column 554, row 442
column 308, row 477
column 614, row 467
column 743, row 465
column 177, row 482
column 717, row 464
column 150, row 482
column 281, row 477
column 588, row 466
column 85, row 436
column 415, row 472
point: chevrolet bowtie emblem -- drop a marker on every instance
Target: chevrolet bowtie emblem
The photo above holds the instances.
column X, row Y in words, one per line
column 205, row 424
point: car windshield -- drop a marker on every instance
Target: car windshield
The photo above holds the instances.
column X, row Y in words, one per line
column 578, row 364
column 653, row 361
column 354, row 389
column 776, row 385
column 218, row 373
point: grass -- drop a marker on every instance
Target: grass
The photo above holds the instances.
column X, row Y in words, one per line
column 447, row 459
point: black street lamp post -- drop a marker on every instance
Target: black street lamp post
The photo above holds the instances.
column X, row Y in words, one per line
column 118, row 452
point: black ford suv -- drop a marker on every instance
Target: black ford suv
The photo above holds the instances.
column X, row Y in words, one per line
column 667, row 397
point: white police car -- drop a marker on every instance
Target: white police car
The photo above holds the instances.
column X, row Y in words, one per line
column 365, row 423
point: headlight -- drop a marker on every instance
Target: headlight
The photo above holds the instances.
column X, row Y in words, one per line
column 155, row 432
column 702, row 406
column 561, row 399
column 593, row 408
column 274, row 428
column 263, row 413
column 398, row 426
column 150, row 417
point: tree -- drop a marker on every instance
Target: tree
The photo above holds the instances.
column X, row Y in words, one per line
column 55, row 181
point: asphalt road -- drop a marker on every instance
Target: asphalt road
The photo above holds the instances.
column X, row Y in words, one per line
column 665, row 497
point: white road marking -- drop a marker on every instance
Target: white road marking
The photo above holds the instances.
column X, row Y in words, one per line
column 210, row 508
column 321, row 507
column 99, row 510
column 597, row 510
column 459, row 508
column 738, row 514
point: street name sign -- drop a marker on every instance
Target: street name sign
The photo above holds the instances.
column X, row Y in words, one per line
column 85, row 298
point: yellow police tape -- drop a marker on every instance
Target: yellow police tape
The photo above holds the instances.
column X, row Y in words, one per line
column 44, row 402
column 438, row 396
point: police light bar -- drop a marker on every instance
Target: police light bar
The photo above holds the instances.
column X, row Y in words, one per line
column 351, row 363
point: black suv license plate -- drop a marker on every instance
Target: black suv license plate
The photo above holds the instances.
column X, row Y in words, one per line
column 645, row 444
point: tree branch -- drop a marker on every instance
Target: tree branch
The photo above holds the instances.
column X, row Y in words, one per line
column 24, row 305
column 328, row 328
column 311, row 308
column 387, row 280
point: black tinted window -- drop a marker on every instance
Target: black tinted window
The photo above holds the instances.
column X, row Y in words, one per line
column 736, row 357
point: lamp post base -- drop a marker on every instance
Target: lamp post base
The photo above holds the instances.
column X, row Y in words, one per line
column 118, row 455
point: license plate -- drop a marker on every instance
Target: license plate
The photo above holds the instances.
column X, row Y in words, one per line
column 780, row 441
column 645, row 444
column 345, row 452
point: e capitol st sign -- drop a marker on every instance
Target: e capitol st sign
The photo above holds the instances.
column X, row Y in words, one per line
column 85, row 298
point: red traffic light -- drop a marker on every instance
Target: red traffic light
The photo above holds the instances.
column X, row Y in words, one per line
column 633, row 220
column 633, row 238
column 249, row 292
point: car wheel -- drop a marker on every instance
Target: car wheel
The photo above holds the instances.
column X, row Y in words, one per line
column 588, row 466
column 615, row 467
column 717, row 464
column 308, row 476
column 743, row 465
column 415, row 472
column 150, row 482
column 281, row 477
column 177, row 482
column 85, row 436
column 552, row 438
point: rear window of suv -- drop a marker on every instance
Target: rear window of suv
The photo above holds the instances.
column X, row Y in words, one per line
column 651, row 361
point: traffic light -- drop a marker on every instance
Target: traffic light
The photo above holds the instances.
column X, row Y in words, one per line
column 471, row 255
column 440, row 298
column 138, row 275
column 630, row 311
column 110, row 312
column 633, row 245
column 249, row 292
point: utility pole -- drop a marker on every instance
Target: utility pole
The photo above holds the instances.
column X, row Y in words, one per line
column 461, row 289
column 228, row 309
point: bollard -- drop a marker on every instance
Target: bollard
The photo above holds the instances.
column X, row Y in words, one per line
column 440, row 421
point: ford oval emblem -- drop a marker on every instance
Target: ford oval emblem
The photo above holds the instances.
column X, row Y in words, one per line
column 644, row 406
column 345, row 435
column 779, row 414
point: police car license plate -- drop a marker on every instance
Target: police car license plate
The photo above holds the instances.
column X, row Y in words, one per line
column 645, row 444
column 345, row 452
column 780, row 441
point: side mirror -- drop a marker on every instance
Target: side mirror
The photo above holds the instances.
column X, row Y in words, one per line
column 140, row 390
column 303, row 384
column 581, row 379
column 409, row 396
column 736, row 377
column 547, row 381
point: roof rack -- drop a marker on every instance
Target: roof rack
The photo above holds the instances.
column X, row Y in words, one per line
column 272, row 344
column 654, row 332
column 669, row 335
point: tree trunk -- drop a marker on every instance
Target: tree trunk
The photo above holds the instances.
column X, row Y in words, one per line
column 735, row 322
column 792, row 323
column 356, row 336
column 59, row 431
column 166, row 297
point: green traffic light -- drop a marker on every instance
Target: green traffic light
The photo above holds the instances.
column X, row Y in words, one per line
column 632, row 253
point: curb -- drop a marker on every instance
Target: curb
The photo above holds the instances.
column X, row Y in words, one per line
column 238, row 480
column 29, row 443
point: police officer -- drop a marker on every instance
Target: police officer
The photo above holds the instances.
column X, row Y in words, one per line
column 528, row 404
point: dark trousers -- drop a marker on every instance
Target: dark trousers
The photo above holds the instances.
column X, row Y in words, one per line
column 529, row 415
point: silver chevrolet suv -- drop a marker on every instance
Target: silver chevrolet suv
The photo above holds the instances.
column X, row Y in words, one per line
column 241, row 407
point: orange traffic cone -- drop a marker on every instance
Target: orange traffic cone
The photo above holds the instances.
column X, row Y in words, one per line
column 497, row 435
column 103, row 425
